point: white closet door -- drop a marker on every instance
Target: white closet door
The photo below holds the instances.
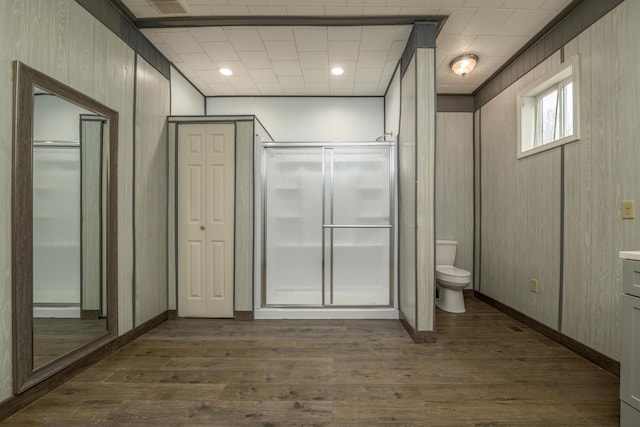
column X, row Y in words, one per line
column 206, row 159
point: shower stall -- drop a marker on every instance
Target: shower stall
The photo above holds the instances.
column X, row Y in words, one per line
column 328, row 228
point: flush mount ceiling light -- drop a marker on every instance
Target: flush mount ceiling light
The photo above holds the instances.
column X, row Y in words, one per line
column 225, row 71
column 337, row 71
column 464, row 64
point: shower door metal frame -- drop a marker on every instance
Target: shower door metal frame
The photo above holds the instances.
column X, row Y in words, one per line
column 391, row 226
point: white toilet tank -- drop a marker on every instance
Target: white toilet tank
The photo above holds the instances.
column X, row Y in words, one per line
column 446, row 252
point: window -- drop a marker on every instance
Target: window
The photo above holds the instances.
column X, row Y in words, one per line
column 548, row 111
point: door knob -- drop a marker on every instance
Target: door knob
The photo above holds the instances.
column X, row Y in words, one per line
column 202, row 227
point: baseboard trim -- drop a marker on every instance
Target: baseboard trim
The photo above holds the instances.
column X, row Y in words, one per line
column 418, row 337
column 243, row 315
column 605, row 362
column 89, row 314
column 13, row 404
column 172, row 314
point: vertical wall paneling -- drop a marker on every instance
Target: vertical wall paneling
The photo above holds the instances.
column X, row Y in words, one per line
column 59, row 38
column 477, row 206
column 172, row 209
column 14, row 44
column 454, row 184
column 425, row 229
column 152, row 109
column 520, row 212
column 243, row 290
column 599, row 171
column 406, row 196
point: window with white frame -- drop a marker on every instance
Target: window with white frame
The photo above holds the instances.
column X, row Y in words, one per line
column 548, row 111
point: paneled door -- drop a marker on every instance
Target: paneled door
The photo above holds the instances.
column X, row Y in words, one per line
column 206, row 159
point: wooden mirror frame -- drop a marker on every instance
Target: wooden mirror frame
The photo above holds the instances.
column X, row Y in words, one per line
column 25, row 80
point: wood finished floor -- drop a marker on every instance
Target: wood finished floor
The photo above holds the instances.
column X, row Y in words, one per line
column 485, row 370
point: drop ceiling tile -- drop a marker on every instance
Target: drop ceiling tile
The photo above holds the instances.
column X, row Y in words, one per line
column 199, row 10
column 267, row 10
column 339, row 50
column 402, row 32
column 315, row 75
column 310, row 39
column 181, row 42
column 220, row 51
column 447, row 3
column 343, row 11
column 344, row 33
column 366, row 2
column 152, row 35
column 372, row 59
column 291, row 82
column 417, row 11
column 287, row 2
column 381, row 11
column 487, row 4
column 305, row 11
column 169, row 53
column 208, row 34
column 314, row 59
column 230, row 11
column 287, row 68
column 342, row 82
column 519, row 4
column 556, row 5
column 221, row 89
column 350, row 67
column 240, row 82
column 244, row 39
column 457, row 20
column 249, row 2
column 406, row 3
column 329, row 2
column 524, row 22
column 263, row 76
column 281, row 50
column 487, row 45
column 341, row 91
column 397, row 48
column 144, row 11
column 317, row 88
column 271, row 89
column 276, row 33
column 237, row 67
column 377, row 38
column 450, row 44
column 369, row 75
column 362, row 88
column 197, row 61
column 211, row 77
column 486, row 21
column 258, row 59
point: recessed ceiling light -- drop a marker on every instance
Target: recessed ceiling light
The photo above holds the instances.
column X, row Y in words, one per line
column 337, row 71
column 225, row 71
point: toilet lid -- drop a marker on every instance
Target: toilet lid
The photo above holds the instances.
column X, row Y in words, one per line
column 449, row 273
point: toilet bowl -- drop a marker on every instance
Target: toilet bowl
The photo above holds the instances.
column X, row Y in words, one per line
column 450, row 280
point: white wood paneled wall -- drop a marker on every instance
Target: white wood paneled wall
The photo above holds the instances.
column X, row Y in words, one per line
column 243, row 286
column 454, row 184
column 599, row 172
column 61, row 39
column 406, row 196
column 151, row 191
column 425, row 206
column 520, row 212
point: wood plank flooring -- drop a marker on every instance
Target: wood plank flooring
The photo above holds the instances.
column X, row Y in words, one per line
column 485, row 370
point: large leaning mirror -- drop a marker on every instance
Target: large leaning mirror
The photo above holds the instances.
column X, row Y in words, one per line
column 64, row 226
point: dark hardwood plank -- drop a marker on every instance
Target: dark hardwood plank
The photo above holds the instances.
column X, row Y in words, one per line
column 485, row 369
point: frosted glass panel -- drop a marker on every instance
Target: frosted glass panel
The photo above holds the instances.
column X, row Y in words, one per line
column 361, row 186
column 361, row 266
column 293, row 224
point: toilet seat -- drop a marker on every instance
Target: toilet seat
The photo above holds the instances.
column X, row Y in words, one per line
column 451, row 274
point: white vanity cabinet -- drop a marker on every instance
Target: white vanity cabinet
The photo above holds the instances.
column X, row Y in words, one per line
column 630, row 345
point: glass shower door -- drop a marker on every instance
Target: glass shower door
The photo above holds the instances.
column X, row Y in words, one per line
column 358, row 226
column 328, row 236
column 293, row 214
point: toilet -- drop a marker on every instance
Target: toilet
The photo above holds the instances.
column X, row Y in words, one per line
column 449, row 279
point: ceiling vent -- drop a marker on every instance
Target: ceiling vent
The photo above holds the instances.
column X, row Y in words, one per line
column 169, row 7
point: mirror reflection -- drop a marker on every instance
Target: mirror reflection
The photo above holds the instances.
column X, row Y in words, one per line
column 69, row 299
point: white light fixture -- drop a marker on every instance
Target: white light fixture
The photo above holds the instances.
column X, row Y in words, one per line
column 337, row 71
column 464, row 64
column 225, row 71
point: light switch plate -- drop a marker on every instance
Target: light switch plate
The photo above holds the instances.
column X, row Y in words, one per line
column 628, row 209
